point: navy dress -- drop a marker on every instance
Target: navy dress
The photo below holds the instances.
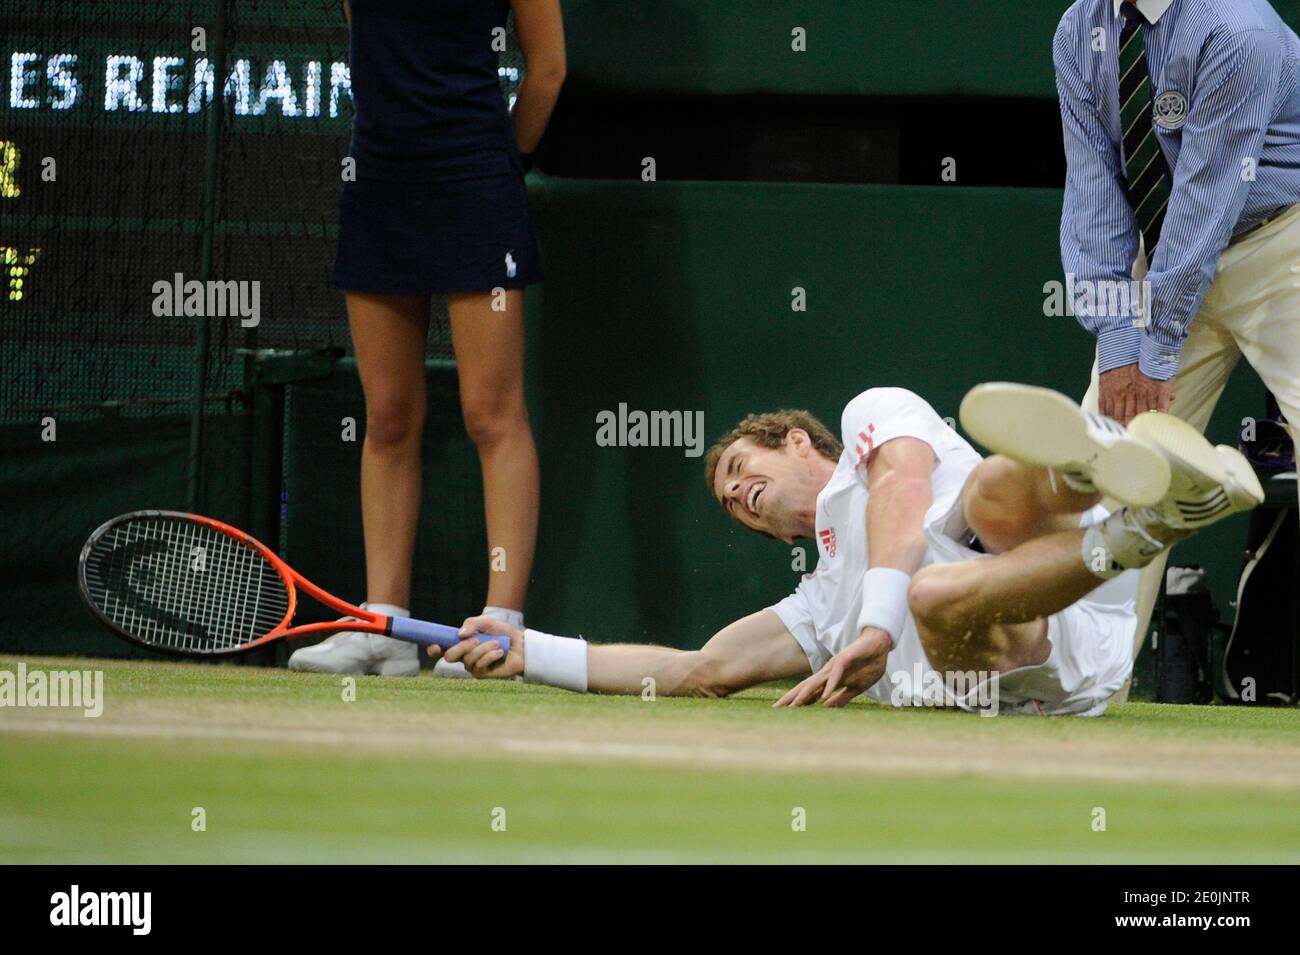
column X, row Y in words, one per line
column 438, row 204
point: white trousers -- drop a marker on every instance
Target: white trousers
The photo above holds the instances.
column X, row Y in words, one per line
column 1252, row 309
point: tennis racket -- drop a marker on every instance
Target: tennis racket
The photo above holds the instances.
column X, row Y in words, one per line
column 193, row 586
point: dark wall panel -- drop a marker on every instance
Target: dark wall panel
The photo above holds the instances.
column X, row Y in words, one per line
column 867, row 47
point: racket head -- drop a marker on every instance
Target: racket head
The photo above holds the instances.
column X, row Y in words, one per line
column 184, row 584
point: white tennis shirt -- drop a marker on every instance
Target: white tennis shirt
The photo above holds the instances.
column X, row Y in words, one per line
column 822, row 613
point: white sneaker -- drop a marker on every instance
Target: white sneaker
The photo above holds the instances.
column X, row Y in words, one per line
column 1208, row 483
column 367, row 654
column 1044, row 428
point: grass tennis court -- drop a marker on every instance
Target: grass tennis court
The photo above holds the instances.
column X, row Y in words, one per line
column 417, row 771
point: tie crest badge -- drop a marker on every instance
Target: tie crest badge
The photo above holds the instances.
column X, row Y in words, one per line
column 1171, row 110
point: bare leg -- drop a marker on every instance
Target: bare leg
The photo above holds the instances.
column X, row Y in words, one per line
column 388, row 335
column 490, row 358
column 990, row 614
column 1007, row 503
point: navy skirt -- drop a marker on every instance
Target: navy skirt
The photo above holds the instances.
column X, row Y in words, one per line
column 428, row 238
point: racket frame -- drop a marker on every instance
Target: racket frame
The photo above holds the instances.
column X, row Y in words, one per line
column 365, row 621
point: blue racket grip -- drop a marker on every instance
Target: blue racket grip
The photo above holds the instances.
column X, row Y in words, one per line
column 438, row 634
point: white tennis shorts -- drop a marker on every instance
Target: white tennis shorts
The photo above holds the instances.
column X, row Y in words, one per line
column 1092, row 648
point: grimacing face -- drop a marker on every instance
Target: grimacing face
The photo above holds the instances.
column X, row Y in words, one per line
column 770, row 490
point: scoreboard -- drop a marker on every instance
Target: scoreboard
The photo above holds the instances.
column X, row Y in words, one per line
column 108, row 147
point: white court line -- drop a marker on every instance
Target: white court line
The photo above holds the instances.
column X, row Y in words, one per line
column 1248, row 773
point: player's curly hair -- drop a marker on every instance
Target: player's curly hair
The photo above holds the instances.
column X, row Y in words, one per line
column 768, row 430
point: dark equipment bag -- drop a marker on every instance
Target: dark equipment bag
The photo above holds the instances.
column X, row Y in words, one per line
column 1185, row 650
column 1261, row 663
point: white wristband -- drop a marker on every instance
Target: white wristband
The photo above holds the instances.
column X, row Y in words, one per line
column 884, row 601
column 555, row 661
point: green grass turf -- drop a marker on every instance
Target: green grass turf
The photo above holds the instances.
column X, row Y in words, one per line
column 413, row 770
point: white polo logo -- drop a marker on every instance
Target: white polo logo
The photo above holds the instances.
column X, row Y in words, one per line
column 1171, row 110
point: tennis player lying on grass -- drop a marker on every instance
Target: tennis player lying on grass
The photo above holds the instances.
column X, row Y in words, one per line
column 943, row 578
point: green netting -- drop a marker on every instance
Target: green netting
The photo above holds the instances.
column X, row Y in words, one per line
column 109, row 141
column 55, row 493
column 105, row 133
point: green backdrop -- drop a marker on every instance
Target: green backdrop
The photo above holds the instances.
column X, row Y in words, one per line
column 866, row 47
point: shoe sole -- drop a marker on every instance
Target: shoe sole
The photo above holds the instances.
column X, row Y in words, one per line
column 388, row 668
column 1044, row 428
column 1207, row 465
column 396, row 668
column 301, row 667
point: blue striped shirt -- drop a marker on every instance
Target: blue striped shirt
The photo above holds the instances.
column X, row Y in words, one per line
column 1234, row 162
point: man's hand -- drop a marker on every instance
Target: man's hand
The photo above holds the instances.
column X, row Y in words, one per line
column 484, row 658
column 854, row 670
column 1125, row 393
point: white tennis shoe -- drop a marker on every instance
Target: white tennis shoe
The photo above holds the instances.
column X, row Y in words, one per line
column 1207, row 484
column 365, row 654
column 1044, row 428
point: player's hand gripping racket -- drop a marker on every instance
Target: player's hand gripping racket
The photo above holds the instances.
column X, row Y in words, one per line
column 194, row 586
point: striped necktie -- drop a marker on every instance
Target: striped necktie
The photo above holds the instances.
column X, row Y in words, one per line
column 1144, row 162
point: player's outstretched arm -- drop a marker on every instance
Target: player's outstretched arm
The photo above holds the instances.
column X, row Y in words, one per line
column 753, row 650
